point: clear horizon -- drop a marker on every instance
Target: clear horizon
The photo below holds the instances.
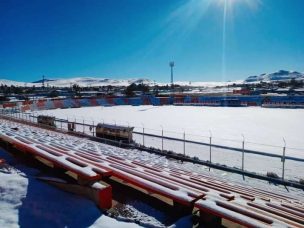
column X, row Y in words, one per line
column 209, row 40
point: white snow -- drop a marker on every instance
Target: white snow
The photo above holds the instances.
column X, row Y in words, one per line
column 107, row 222
column 263, row 129
column 13, row 187
column 27, row 202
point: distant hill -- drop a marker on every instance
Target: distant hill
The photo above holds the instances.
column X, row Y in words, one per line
column 15, row 83
column 81, row 81
column 92, row 81
column 281, row 75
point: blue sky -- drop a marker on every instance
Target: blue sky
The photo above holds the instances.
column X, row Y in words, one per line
column 138, row 38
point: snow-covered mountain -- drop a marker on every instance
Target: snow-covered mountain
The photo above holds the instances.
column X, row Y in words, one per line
column 207, row 84
column 15, row 83
column 281, row 75
column 81, row 81
column 92, row 81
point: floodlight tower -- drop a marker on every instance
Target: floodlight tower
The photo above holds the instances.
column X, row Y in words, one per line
column 171, row 64
column 43, row 80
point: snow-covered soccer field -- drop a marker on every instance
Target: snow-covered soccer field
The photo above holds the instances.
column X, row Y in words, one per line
column 260, row 126
column 263, row 130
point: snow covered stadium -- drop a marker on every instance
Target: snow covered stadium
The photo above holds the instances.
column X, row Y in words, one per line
column 248, row 139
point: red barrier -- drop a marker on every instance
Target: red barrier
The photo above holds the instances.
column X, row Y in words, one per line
column 41, row 104
column 9, row 105
column 103, row 195
column 93, row 102
column 58, row 104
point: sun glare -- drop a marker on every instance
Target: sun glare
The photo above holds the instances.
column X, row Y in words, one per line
column 252, row 4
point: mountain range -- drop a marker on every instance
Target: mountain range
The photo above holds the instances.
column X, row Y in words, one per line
column 281, row 75
column 92, row 81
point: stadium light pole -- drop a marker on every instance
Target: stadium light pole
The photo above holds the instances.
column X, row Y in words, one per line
column 43, row 80
column 171, row 64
